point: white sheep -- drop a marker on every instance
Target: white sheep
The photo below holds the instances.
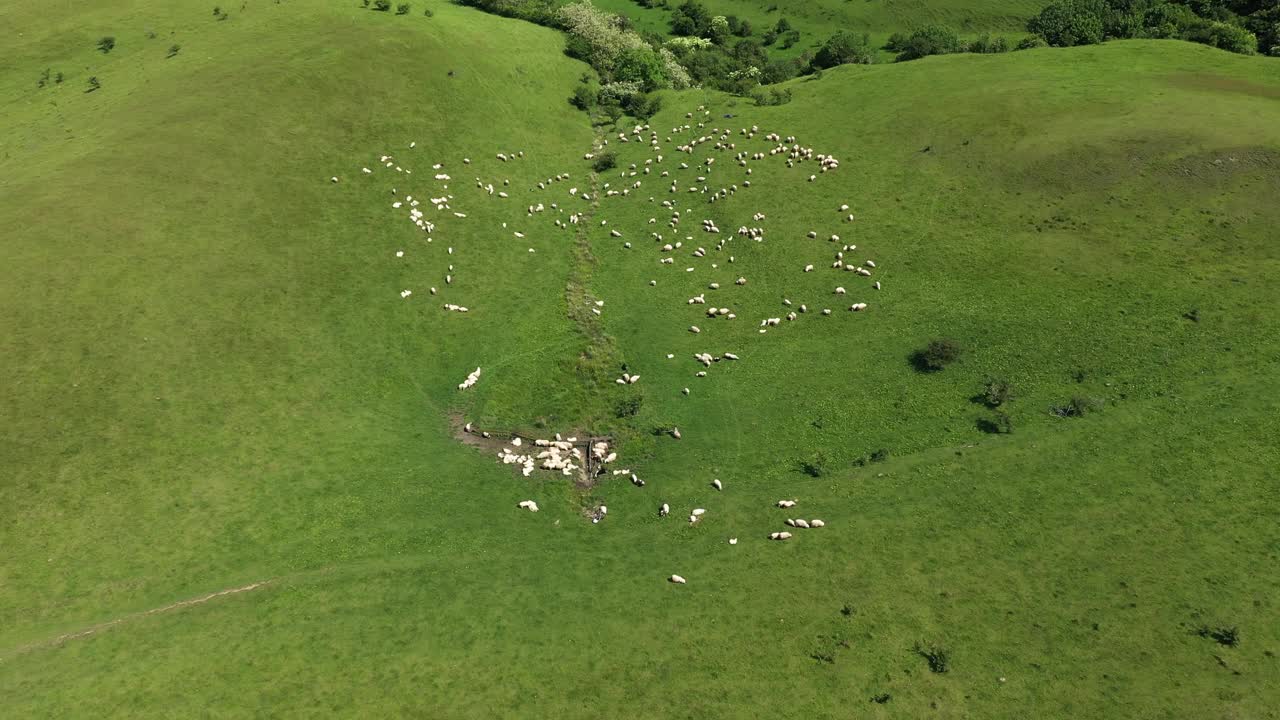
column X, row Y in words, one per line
column 677, row 580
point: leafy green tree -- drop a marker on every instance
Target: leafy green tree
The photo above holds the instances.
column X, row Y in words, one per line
column 584, row 97
column 1067, row 23
column 691, row 18
column 930, row 40
column 844, row 48
column 640, row 65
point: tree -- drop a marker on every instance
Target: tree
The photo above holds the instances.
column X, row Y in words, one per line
column 402, row 9
column 106, row 44
column 1067, row 23
column 930, row 40
column 173, row 50
column 719, row 32
column 584, row 97
column 382, row 5
column 93, row 84
column 691, row 18
column 1224, row 36
column 640, row 65
column 935, row 356
column 844, row 48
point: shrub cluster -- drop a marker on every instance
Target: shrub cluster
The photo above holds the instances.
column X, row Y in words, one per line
column 1240, row 26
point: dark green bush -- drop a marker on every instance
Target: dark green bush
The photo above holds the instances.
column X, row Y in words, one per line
column 771, row 96
column 402, row 9
column 93, row 84
column 1077, row 406
column 930, row 40
column 1030, row 42
column 1068, row 22
column 938, row 658
column 604, row 161
column 382, row 5
column 106, row 44
column 1224, row 36
column 1226, row 636
column 996, row 392
column 584, row 97
column 173, row 50
column 936, row 355
column 844, row 48
column 985, row 44
column 998, row 424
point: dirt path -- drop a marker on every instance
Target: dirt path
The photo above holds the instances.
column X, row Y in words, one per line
column 94, row 629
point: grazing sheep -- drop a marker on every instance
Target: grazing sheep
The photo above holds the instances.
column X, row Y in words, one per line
column 717, row 484
column 664, row 510
column 816, row 524
column 677, row 580
column 733, row 541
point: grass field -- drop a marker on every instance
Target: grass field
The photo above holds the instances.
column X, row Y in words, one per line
column 210, row 381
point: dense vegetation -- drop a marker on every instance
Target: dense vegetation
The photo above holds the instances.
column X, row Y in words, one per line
column 1240, row 26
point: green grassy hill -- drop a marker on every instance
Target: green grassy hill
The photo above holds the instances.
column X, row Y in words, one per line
column 211, row 380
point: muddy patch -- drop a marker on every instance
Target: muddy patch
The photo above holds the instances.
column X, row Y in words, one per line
column 1222, row 83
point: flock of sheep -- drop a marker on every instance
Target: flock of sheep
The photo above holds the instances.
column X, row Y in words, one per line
column 717, row 144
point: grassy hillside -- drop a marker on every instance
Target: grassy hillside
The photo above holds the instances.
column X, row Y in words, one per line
column 211, row 380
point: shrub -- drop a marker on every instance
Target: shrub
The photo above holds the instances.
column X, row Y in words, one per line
column 44, row 78
column 692, row 19
column 640, row 65
column 628, row 408
column 930, row 40
column 985, row 44
column 217, row 11
column 768, row 38
column 719, row 32
column 642, row 106
column 936, row 355
column 364, row 3
column 814, row 466
column 1067, row 23
column 996, row 392
column 778, row 71
column 106, row 44
column 584, row 97
column 604, row 161
column 790, row 38
column 998, row 424
column 57, row 79
column 382, row 5
column 938, row 658
column 428, row 13
column 844, row 48
column 1224, row 36
column 1077, row 406
column 1227, row 636
column 1031, row 42
column 772, row 96
column 173, row 50
column 93, row 84
column 897, row 42
column 402, row 9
